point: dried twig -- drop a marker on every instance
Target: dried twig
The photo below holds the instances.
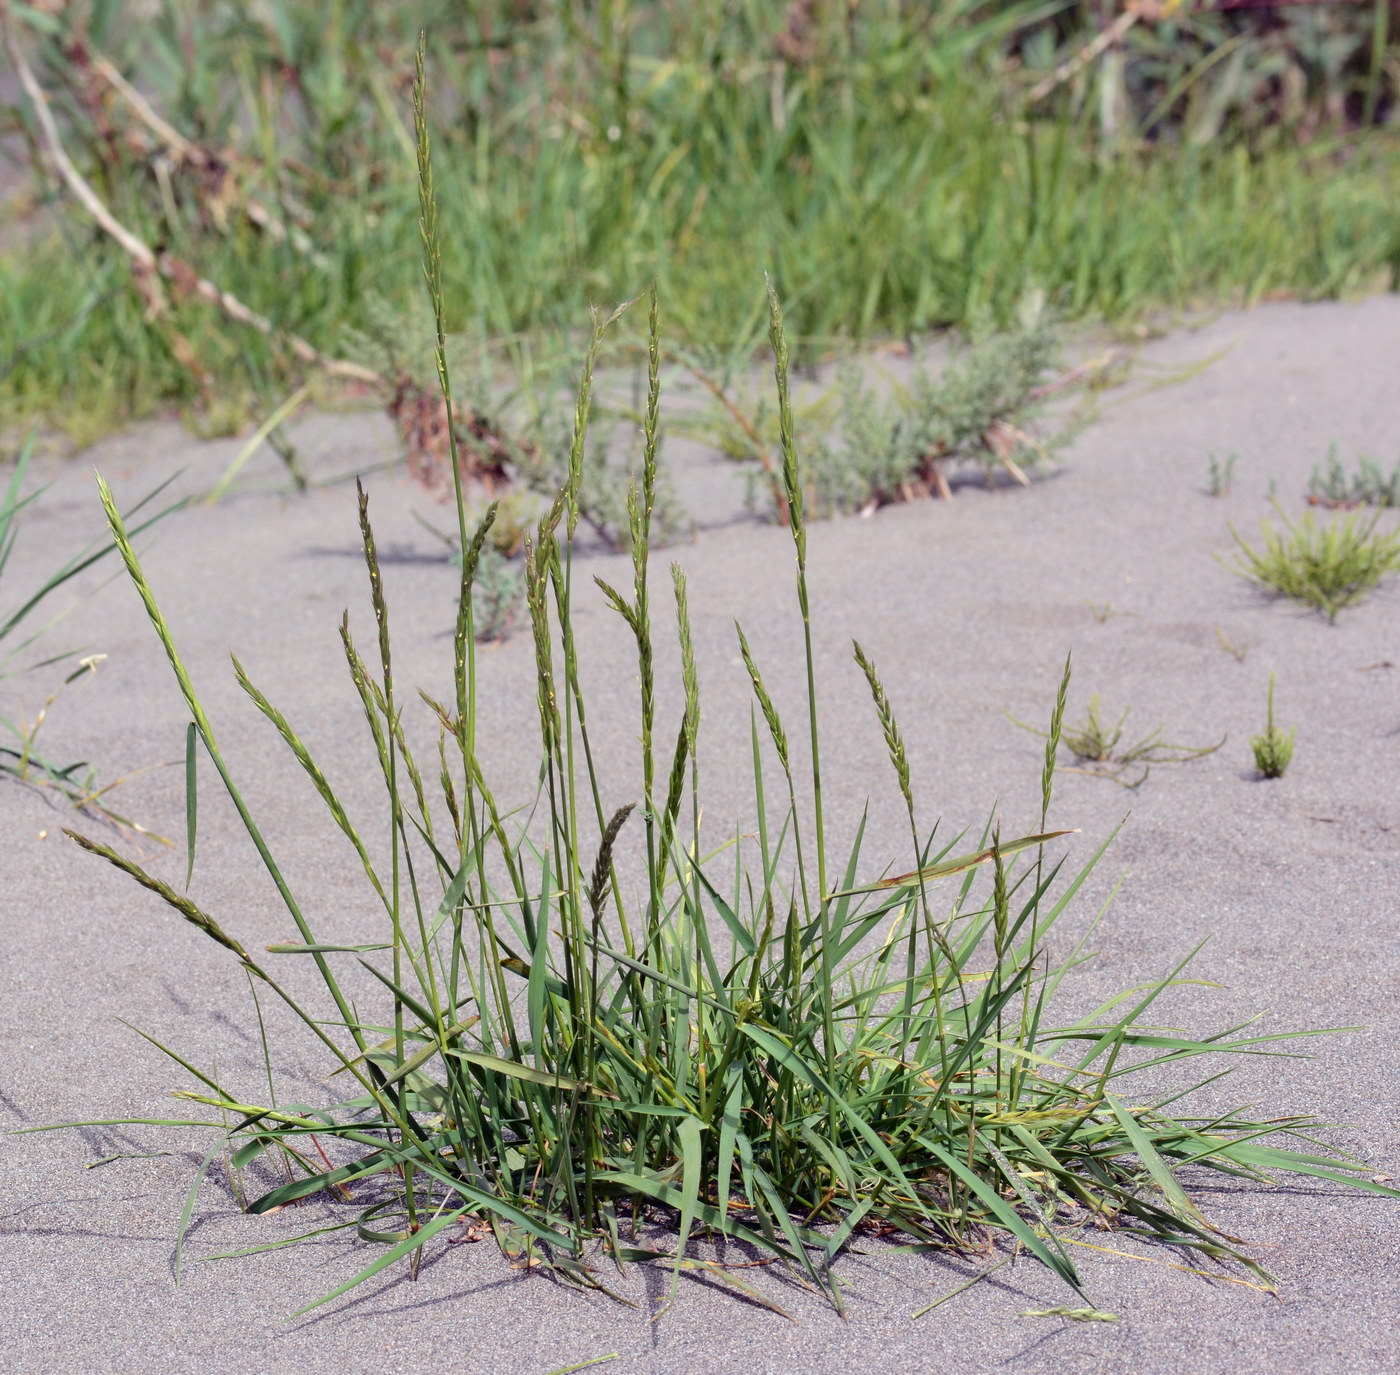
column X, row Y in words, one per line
column 747, row 428
column 487, row 452
column 148, row 264
column 192, row 154
column 1071, row 67
column 1101, row 364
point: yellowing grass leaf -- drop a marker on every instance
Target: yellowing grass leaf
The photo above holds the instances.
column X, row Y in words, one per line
column 528, row 1073
column 955, row 866
column 1073, row 1314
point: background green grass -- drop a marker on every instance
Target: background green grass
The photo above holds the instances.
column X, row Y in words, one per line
column 895, row 166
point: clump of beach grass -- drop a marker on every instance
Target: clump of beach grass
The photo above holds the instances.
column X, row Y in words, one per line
column 787, row 1045
column 1328, row 566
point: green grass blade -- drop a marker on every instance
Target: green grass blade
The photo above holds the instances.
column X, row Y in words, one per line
column 406, row 1247
column 191, row 798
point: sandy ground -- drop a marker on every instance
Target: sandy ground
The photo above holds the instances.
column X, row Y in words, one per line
column 969, row 608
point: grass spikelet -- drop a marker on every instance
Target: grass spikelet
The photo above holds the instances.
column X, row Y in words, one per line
column 376, row 592
column 792, row 475
column 187, row 908
column 687, row 737
column 765, row 702
column 538, row 557
column 894, row 741
column 1052, row 744
column 602, row 866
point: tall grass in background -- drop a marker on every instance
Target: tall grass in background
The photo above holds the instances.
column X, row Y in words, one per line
column 899, row 167
column 583, row 1033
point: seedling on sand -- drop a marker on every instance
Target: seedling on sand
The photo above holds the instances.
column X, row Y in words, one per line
column 1273, row 751
column 1238, row 650
column 1099, row 749
column 1329, row 566
column 1369, row 485
column 789, row 1057
column 584, row 1365
column 1220, row 476
column 1071, row 1314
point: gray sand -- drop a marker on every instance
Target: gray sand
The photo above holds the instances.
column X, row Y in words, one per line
column 969, row 608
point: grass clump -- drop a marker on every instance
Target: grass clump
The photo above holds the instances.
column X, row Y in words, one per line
column 1273, row 750
column 788, row 1058
column 1099, row 749
column 982, row 409
column 1367, row 485
column 1326, row 566
column 572, row 1030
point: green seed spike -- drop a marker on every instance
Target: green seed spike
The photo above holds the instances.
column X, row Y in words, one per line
column 602, row 866
column 894, row 741
column 376, row 586
column 192, row 913
column 687, row 737
column 765, row 702
column 1052, row 744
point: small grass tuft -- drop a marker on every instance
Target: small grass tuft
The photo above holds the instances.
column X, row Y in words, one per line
column 983, row 410
column 1097, row 746
column 1103, row 612
column 1368, row 485
column 1220, row 474
column 1273, row 750
column 1326, row 566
